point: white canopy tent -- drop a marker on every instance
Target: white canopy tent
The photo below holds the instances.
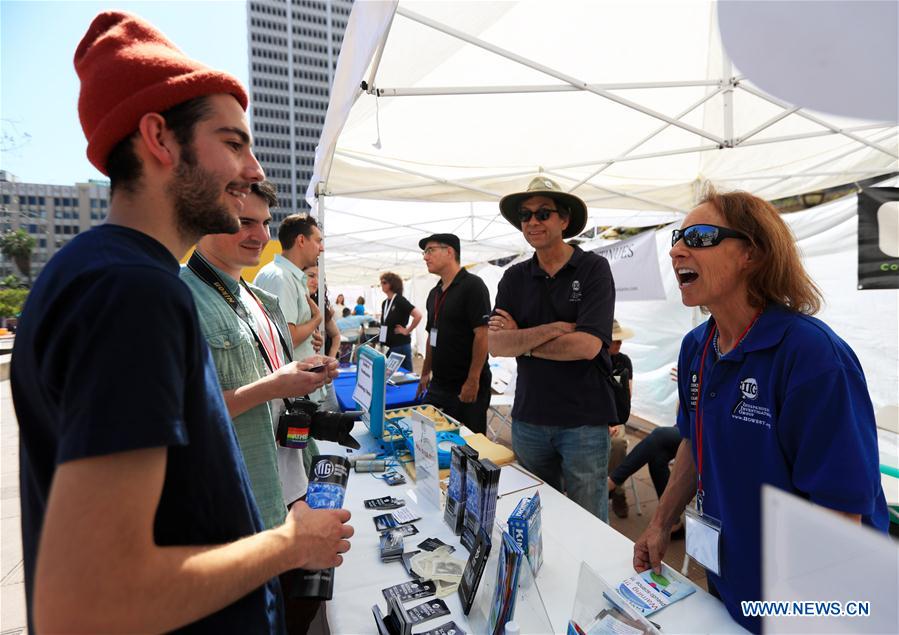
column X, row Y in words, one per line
column 440, row 108
column 630, row 105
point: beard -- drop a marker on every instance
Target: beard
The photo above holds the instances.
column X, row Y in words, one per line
column 197, row 198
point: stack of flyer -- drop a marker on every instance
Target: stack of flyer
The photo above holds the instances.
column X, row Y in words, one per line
column 481, row 484
column 502, row 609
column 454, row 511
column 524, row 527
column 649, row 592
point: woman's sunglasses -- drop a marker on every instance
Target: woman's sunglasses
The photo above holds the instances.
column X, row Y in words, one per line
column 542, row 214
column 699, row 236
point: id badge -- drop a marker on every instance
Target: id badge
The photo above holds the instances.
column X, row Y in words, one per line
column 433, row 340
column 704, row 540
column 382, row 334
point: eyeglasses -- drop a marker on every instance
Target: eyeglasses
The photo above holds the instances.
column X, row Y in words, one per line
column 542, row 214
column 430, row 250
column 700, row 236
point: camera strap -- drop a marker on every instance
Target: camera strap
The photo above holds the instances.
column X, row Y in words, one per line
column 198, row 265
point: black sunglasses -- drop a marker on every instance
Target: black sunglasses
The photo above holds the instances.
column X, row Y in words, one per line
column 542, row 214
column 699, row 236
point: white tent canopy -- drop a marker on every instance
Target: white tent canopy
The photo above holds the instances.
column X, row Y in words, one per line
column 627, row 104
column 365, row 238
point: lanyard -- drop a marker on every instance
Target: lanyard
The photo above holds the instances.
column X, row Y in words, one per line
column 388, row 304
column 273, row 354
column 204, row 272
column 705, row 349
column 438, row 302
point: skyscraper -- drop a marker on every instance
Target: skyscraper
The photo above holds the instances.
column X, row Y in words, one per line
column 293, row 49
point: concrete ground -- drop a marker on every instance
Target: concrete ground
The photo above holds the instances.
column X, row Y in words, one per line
column 12, row 581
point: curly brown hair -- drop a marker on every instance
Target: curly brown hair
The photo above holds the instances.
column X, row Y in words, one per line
column 778, row 275
column 395, row 282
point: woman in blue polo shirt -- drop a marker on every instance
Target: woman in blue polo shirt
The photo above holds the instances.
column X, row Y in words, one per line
column 768, row 394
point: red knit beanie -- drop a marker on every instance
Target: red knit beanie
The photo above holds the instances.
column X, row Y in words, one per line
column 127, row 69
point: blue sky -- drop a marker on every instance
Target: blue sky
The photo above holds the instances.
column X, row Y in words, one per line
column 42, row 138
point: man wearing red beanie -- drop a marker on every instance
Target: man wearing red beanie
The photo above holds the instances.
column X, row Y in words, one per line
column 137, row 512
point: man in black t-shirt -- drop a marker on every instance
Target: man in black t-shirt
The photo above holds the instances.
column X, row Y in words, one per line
column 458, row 308
column 395, row 331
column 137, row 512
column 554, row 314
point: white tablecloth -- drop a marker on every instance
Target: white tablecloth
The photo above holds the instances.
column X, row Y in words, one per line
column 570, row 535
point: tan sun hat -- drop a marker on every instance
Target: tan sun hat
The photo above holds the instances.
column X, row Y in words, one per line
column 544, row 186
column 619, row 332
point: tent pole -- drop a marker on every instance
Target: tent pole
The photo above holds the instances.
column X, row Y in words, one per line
column 554, row 73
column 531, row 88
column 322, row 300
column 658, row 130
column 890, row 135
column 727, row 71
column 843, row 131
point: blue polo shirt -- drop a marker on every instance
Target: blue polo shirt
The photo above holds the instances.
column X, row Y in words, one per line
column 572, row 393
column 788, row 406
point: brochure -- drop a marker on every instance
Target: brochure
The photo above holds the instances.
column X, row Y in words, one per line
column 649, row 592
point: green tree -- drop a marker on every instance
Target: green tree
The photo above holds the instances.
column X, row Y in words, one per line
column 11, row 302
column 17, row 246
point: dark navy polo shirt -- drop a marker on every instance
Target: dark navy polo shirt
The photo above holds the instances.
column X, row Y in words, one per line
column 465, row 308
column 554, row 393
column 109, row 357
column 788, row 406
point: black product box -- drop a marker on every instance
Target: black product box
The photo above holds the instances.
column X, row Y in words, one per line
column 482, row 482
column 454, row 511
column 474, row 569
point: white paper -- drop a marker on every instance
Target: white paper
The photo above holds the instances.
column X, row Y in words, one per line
column 433, row 340
column 512, row 479
column 382, row 334
column 364, row 379
column 427, row 471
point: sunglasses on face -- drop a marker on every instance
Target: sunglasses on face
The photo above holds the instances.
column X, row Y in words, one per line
column 542, row 214
column 699, row 236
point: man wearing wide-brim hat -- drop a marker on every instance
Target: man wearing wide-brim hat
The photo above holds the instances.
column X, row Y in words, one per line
column 554, row 314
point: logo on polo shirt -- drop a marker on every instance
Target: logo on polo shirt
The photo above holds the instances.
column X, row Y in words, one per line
column 750, row 388
column 575, row 291
column 694, row 389
column 746, row 410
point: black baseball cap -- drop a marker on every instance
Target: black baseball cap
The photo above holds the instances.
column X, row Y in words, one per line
column 450, row 240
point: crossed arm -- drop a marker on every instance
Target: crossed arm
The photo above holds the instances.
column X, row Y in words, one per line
column 99, row 569
column 557, row 340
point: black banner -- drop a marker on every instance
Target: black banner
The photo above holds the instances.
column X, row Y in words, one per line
column 878, row 238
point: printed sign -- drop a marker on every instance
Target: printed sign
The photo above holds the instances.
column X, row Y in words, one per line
column 635, row 268
column 878, row 238
column 364, row 379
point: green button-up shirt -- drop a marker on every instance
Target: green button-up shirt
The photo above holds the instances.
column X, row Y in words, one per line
column 238, row 363
column 287, row 282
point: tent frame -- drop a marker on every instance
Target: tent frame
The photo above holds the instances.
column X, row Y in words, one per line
column 724, row 86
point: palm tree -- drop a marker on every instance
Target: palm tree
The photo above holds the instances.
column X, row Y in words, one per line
column 17, row 246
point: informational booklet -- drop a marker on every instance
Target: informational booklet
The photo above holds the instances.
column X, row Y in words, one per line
column 649, row 592
column 393, row 363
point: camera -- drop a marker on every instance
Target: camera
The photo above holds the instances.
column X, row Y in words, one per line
column 303, row 419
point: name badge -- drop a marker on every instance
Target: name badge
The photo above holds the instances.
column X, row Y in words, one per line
column 382, row 334
column 433, row 338
column 704, row 540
